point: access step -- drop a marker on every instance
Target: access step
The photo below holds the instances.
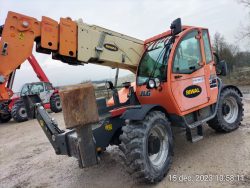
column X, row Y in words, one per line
column 194, row 134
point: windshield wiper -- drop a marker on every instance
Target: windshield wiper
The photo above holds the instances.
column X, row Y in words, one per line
column 193, row 68
column 165, row 49
column 154, row 49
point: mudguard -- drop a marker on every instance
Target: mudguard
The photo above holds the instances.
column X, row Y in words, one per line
column 140, row 111
column 232, row 86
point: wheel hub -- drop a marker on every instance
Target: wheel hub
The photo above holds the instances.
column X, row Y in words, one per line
column 58, row 104
column 22, row 112
column 158, row 145
column 154, row 144
column 225, row 109
column 230, row 110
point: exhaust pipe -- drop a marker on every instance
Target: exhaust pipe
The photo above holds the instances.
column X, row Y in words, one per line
column 1, row 30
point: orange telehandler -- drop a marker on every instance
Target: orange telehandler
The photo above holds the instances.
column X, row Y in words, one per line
column 177, row 84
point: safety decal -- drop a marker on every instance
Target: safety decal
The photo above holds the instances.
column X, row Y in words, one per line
column 21, row 36
column 110, row 47
column 192, row 91
column 108, row 127
column 213, row 81
column 41, row 122
column 198, row 80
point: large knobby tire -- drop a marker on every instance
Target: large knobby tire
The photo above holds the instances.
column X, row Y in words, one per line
column 19, row 112
column 148, row 147
column 230, row 112
column 4, row 118
column 55, row 103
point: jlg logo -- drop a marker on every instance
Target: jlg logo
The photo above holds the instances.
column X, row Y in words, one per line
column 145, row 93
column 192, row 91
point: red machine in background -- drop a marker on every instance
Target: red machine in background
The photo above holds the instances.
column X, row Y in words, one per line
column 15, row 108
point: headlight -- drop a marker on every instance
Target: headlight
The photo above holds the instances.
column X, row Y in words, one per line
column 157, row 82
column 151, row 83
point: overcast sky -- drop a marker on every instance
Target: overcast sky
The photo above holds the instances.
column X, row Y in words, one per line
column 138, row 18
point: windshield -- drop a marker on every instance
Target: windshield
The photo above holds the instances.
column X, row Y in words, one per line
column 25, row 90
column 154, row 61
column 29, row 89
column 37, row 88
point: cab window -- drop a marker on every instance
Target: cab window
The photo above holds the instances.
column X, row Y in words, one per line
column 37, row 88
column 25, row 90
column 187, row 55
column 207, row 48
column 48, row 86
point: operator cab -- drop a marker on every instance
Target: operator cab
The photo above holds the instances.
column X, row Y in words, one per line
column 176, row 70
column 153, row 66
column 187, row 57
column 35, row 88
column 32, row 88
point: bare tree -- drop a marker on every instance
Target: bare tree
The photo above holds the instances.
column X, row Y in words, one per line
column 226, row 51
column 245, row 30
column 245, row 2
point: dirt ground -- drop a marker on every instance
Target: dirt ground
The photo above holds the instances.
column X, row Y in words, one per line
column 28, row 160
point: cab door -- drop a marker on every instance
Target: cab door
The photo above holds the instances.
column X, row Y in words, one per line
column 48, row 91
column 38, row 88
column 188, row 80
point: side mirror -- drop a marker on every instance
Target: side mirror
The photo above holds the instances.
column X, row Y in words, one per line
column 176, row 27
column 126, row 84
column 221, row 65
column 221, row 68
column 109, row 85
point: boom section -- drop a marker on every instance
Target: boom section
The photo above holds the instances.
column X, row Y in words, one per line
column 72, row 42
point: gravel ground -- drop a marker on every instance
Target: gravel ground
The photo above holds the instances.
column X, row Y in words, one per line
column 28, row 160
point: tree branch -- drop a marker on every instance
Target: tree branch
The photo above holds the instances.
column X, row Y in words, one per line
column 245, row 2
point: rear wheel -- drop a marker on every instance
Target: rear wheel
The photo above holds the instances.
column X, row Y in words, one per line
column 19, row 112
column 4, row 118
column 55, row 103
column 230, row 111
column 148, row 147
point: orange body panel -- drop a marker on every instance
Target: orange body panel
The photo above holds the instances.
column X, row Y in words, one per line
column 68, row 37
column 4, row 91
column 178, row 86
column 49, row 33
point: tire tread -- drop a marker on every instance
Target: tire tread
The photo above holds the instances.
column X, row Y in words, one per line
column 132, row 148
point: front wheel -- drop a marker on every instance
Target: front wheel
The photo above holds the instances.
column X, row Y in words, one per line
column 55, row 103
column 148, row 147
column 19, row 112
column 4, row 118
column 230, row 111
